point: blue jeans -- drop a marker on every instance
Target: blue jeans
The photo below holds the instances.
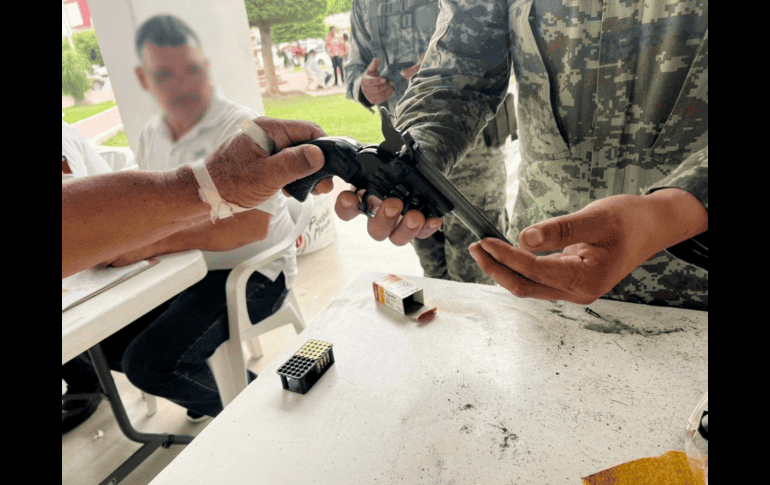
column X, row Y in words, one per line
column 164, row 352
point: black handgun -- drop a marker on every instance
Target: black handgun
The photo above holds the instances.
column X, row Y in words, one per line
column 395, row 168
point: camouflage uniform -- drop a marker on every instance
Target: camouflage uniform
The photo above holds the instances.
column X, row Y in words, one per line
column 480, row 176
column 612, row 98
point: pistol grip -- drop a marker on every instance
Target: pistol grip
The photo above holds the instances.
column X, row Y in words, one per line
column 339, row 159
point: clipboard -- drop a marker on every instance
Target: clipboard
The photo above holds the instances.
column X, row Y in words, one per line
column 87, row 284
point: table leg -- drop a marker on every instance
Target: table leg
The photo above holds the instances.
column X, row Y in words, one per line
column 152, row 441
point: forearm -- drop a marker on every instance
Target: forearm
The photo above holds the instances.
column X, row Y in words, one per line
column 691, row 178
column 93, row 233
column 226, row 234
column 458, row 89
column 360, row 57
column 678, row 216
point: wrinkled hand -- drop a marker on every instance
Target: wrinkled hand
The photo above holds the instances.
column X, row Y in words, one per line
column 246, row 175
column 387, row 222
column 376, row 89
column 600, row 245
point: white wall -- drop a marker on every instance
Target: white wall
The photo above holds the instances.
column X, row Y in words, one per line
column 222, row 28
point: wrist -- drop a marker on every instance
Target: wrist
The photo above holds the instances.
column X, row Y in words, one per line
column 677, row 215
column 180, row 184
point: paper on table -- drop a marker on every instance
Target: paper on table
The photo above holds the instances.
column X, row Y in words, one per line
column 670, row 468
column 89, row 283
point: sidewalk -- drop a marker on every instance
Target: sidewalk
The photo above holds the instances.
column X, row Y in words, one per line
column 298, row 81
column 105, row 122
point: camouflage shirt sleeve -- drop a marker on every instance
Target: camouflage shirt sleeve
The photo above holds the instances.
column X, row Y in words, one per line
column 463, row 80
column 693, row 176
column 361, row 55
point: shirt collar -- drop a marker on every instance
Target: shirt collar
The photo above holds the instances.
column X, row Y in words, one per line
column 205, row 125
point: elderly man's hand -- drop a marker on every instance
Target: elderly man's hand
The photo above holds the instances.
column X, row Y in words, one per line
column 600, row 245
column 245, row 174
column 387, row 222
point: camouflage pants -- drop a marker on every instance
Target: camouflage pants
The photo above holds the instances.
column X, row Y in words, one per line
column 481, row 177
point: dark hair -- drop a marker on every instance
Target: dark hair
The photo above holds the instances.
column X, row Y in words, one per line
column 165, row 30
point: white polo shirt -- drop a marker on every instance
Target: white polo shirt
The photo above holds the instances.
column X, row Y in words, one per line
column 81, row 158
column 157, row 151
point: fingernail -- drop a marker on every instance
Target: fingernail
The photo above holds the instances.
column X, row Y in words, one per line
column 347, row 203
column 435, row 224
column 469, row 250
column 534, row 237
column 391, row 211
column 411, row 224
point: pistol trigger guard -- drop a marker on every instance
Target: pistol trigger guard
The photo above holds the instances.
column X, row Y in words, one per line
column 364, row 206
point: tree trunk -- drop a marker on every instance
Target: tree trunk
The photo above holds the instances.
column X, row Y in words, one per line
column 271, row 89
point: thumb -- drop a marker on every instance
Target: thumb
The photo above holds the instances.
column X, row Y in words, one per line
column 373, row 67
column 293, row 163
column 560, row 232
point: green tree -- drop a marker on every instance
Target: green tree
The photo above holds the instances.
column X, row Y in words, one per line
column 292, row 32
column 85, row 42
column 339, row 6
column 264, row 13
column 74, row 80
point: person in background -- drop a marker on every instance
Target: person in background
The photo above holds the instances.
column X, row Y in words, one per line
column 315, row 74
column 164, row 353
column 385, row 55
column 79, row 160
column 612, row 110
column 335, row 47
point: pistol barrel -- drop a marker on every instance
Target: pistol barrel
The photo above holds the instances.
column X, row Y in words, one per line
column 463, row 209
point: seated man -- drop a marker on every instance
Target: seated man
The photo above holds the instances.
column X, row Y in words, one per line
column 314, row 73
column 79, row 159
column 164, row 353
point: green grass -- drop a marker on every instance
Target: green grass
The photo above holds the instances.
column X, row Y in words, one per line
column 336, row 115
column 119, row 140
column 73, row 114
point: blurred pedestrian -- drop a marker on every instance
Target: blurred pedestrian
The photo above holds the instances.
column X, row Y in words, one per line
column 335, row 47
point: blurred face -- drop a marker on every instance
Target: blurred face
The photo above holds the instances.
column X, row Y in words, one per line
column 178, row 78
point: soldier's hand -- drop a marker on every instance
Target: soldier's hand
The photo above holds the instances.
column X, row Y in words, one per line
column 600, row 245
column 412, row 70
column 387, row 222
column 376, row 89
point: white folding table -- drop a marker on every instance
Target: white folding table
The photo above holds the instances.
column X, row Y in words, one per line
column 495, row 389
column 87, row 324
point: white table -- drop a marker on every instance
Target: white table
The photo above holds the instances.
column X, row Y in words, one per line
column 87, row 324
column 94, row 320
column 495, row 390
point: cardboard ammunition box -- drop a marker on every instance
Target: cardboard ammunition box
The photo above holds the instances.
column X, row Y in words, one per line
column 400, row 295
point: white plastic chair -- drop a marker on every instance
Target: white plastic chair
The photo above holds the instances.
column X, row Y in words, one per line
column 228, row 363
column 118, row 158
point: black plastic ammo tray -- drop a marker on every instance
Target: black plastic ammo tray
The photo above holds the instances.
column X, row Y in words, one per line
column 306, row 366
